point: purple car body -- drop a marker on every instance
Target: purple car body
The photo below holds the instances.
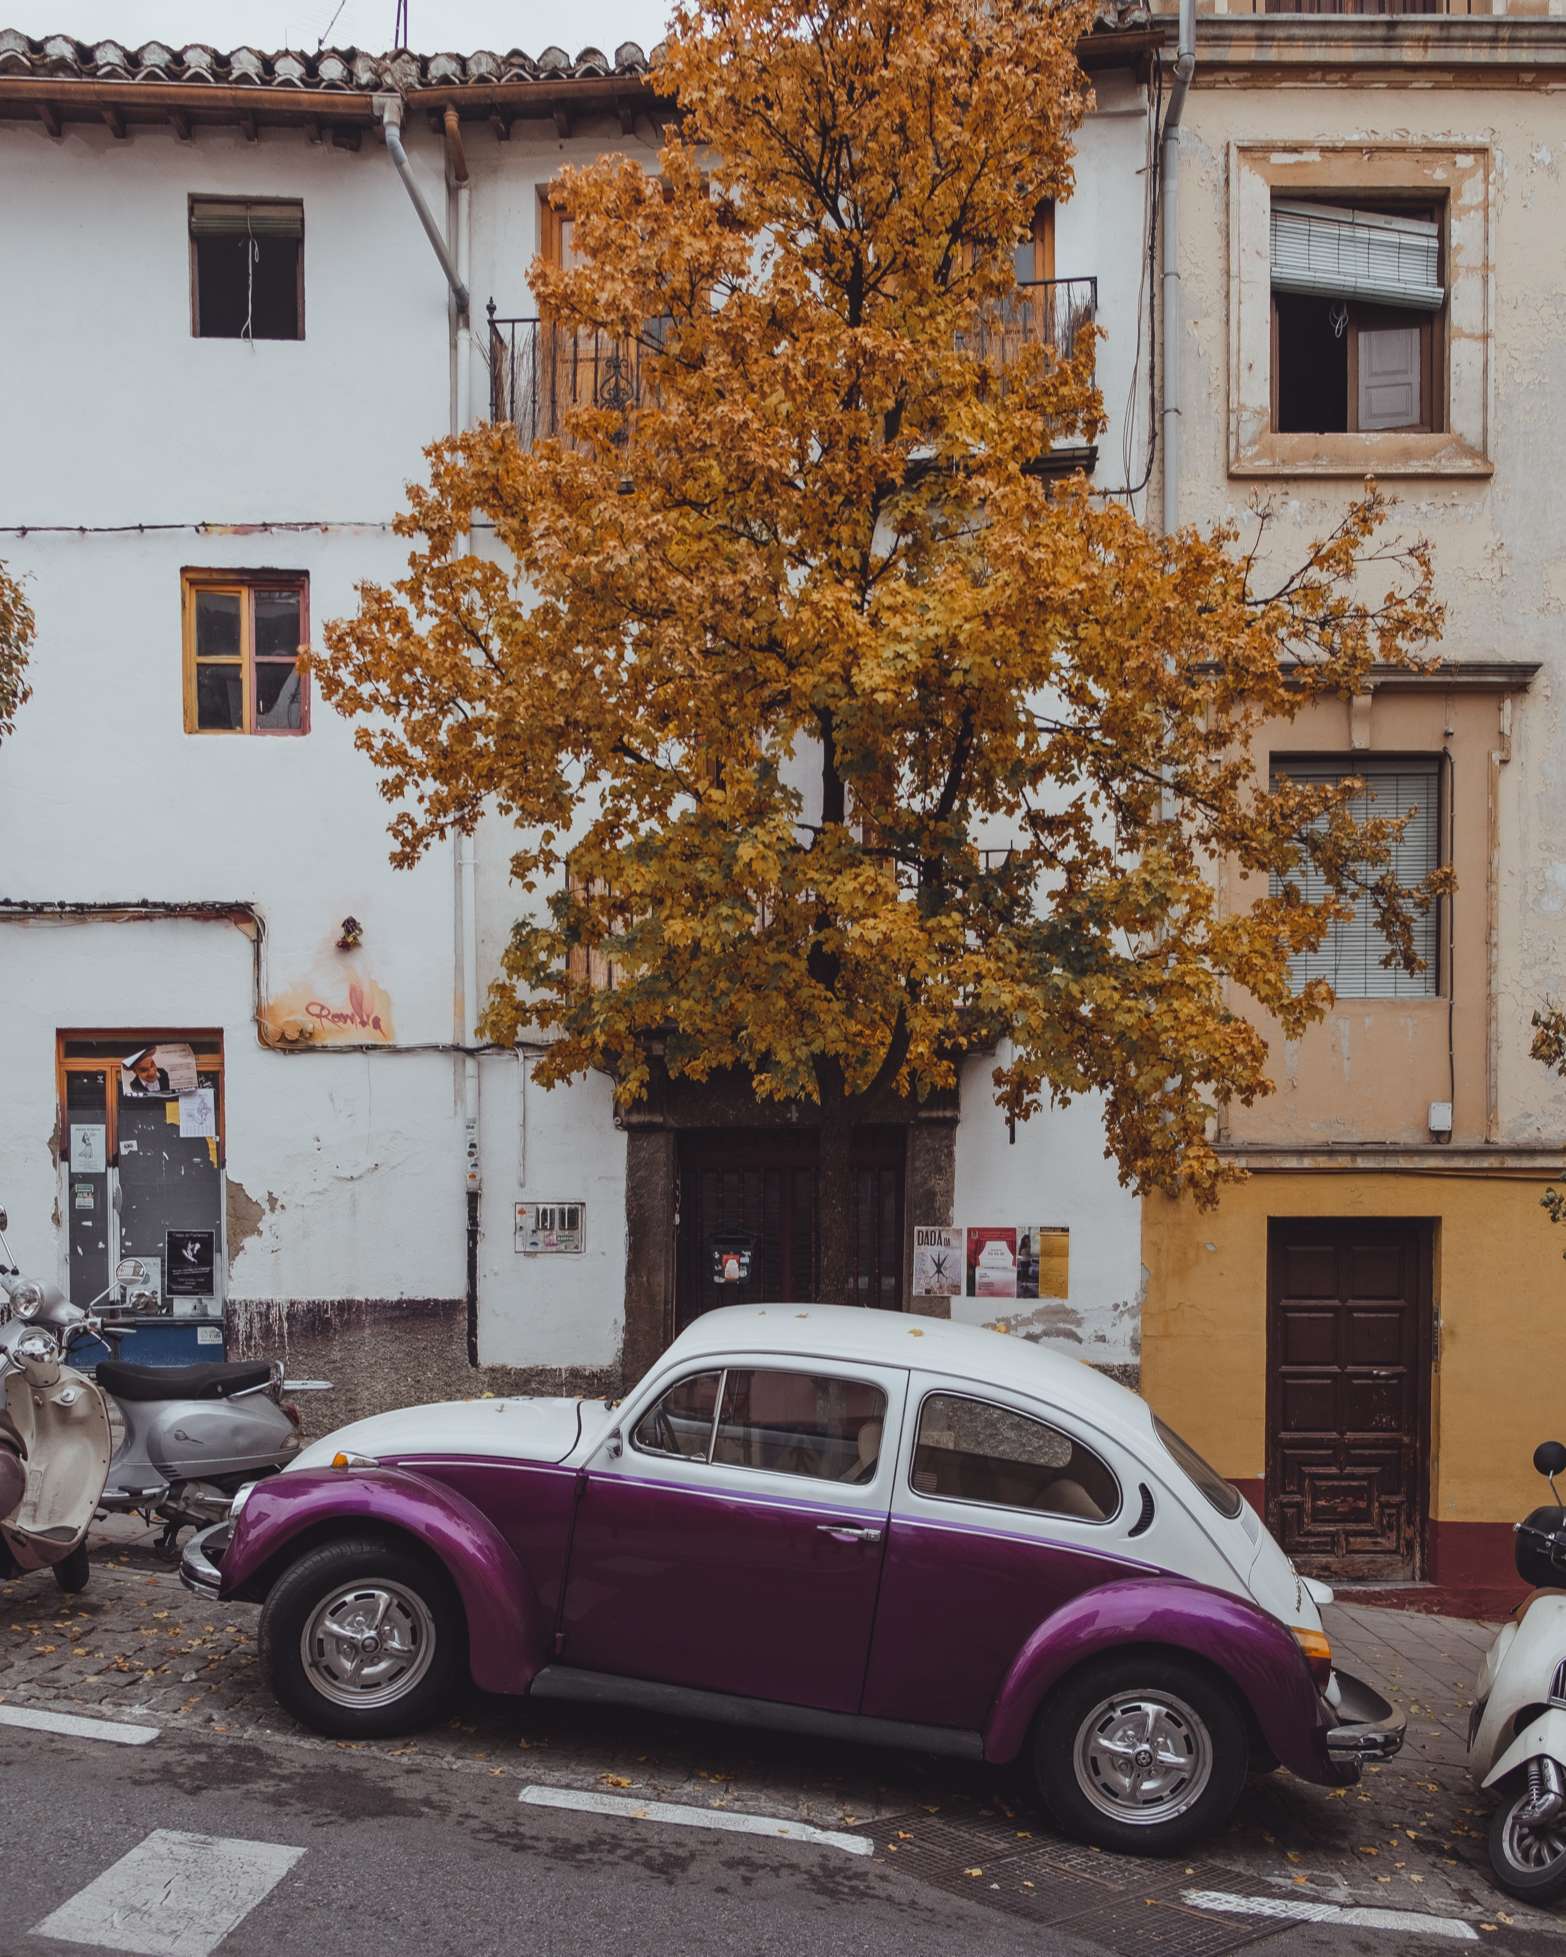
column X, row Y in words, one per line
column 847, row 1520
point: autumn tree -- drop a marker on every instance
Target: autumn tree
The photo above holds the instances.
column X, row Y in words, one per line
column 868, row 745
column 16, row 637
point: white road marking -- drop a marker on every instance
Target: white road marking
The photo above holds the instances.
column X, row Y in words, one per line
column 1296, row 1909
column 173, row 1895
column 77, row 1727
column 629, row 1808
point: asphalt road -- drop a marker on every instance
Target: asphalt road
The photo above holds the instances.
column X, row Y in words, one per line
column 397, row 1857
column 300, row 1851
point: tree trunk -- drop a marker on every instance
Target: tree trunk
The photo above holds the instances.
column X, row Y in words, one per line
column 835, row 1207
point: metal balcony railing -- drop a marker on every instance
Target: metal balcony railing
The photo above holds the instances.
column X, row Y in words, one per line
column 540, row 370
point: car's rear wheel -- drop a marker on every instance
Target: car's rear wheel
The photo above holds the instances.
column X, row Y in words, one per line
column 362, row 1639
column 1141, row 1753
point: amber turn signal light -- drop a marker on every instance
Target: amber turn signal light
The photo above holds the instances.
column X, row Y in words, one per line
column 1317, row 1647
column 344, row 1460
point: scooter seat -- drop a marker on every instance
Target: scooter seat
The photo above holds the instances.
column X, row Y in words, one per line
column 215, row 1382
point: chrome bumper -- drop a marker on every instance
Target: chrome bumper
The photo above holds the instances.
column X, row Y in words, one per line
column 1368, row 1728
column 199, row 1565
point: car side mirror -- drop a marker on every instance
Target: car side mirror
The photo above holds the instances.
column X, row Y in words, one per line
column 615, row 1445
column 5, row 1221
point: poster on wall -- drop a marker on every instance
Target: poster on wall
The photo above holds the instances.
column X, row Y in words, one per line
column 154, row 1073
column 190, row 1262
column 992, row 1260
column 1043, row 1261
column 937, row 1262
column 198, row 1113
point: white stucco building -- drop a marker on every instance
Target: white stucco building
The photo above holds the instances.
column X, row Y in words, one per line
column 230, row 340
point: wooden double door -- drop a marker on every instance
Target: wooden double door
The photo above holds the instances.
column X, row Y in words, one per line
column 1348, row 1394
column 748, row 1232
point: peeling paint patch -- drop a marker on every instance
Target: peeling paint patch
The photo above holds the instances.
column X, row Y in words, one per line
column 244, row 1216
column 1055, row 1320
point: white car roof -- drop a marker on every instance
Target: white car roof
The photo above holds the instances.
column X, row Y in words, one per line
column 894, row 1338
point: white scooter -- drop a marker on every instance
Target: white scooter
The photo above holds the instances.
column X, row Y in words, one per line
column 54, row 1442
column 1517, row 1730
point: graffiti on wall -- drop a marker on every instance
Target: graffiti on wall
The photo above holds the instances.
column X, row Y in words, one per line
column 331, row 1014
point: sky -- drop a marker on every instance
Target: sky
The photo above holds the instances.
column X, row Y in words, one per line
column 434, row 26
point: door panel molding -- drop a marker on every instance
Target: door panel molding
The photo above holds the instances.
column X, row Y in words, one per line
column 1349, row 1335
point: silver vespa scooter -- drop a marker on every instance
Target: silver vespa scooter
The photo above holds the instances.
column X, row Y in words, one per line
column 192, row 1435
column 54, row 1442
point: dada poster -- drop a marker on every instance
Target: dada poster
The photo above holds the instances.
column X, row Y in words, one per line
column 937, row 1266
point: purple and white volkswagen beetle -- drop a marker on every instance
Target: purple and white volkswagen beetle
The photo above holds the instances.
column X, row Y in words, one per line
column 854, row 1523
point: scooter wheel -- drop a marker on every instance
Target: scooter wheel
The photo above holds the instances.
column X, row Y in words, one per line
column 1528, row 1859
column 72, row 1572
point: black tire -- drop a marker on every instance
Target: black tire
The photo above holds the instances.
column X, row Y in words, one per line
column 72, row 1572
column 429, row 1610
column 1203, row 1753
column 1542, row 1881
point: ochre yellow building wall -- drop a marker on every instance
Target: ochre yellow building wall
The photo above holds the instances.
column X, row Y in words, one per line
column 1498, row 1388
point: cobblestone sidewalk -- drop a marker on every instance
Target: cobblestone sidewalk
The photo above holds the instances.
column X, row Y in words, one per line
column 1411, row 1836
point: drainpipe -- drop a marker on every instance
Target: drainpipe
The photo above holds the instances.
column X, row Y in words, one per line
column 389, row 109
column 1169, row 192
column 460, row 205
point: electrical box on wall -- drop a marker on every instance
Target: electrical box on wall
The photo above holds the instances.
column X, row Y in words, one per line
column 551, row 1229
column 1440, row 1117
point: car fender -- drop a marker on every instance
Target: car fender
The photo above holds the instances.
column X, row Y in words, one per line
column 508, row 1630
column 1257, row 1654
column 1543, row 1736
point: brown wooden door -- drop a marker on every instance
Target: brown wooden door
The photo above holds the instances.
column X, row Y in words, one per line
column 1348, row 1369
column 752, row 1192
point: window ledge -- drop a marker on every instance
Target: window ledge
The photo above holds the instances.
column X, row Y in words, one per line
column 1379, row 455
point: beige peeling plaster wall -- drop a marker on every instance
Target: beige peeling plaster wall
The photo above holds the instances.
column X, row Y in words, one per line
column 1498, row 535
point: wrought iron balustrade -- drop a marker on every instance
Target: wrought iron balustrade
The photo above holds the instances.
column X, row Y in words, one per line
column 540, row 370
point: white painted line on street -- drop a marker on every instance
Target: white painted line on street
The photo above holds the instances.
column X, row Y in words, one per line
column 1295, row 1909
column 76, row 1727
column 173, row 1895
column 629, row 1808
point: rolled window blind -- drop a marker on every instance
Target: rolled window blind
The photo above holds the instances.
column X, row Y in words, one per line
column 1349, row 957
column 220, row 217
column 1394, row 261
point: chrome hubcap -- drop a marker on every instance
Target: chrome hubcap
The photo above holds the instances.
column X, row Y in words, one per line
column 368, row 1644
column 1143, row 1757
column 1533, row 1846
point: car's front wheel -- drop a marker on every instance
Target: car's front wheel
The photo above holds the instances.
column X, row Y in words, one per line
column 362, row 1639
column 1143, row 1754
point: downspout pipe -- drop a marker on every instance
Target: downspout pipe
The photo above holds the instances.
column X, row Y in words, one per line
column 389, row 109
column 1169, row 290
column 460, row 196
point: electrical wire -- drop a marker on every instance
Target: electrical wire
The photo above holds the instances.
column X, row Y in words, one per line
column 1148, row 286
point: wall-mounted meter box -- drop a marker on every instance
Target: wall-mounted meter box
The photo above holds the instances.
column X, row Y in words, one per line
column 551, row 1229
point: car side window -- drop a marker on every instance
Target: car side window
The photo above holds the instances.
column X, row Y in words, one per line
column 974, row 1451
column 680, row 1422
column 796, row 1423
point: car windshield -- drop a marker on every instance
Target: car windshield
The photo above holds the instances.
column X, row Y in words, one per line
column 1223, row 1495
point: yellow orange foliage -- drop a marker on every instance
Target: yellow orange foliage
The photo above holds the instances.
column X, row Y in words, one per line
column 870, row 746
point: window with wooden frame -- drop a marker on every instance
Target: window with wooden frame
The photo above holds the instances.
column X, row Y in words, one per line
column 246, row 268
column 1350, row 956
column 1358, row 303
column 243, row 634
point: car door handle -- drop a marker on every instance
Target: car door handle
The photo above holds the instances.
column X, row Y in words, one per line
column 847, row 1532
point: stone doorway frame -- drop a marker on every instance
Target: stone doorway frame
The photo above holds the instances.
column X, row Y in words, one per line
column 652, row 1131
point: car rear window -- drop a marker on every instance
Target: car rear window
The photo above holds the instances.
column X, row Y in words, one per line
column 975, row 1451
column 1223, row 1495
